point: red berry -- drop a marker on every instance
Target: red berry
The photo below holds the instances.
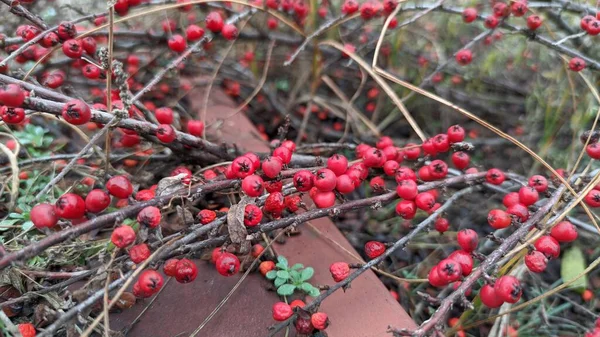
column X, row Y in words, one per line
column 405, row 173
column 252, row 215
column 469, row 14
column 536, row 261
column 194, row 33
column 338, row 164
column 460, row 160
column 229, row 32
column 195, row 128
column 89, row 45
column 11, row 95
column 185, row 271
column 324, row 199
column 12, row 115
column 119, row 186
column 412, row 151
column 576, row 64
column 165, row 133
column 464, row 57
column 177, row 43
column 139, row 253
column 150, row 281
column 501, row 9
column 374, row 249
column 510, row 199
column 325, row 180
column 449, row 270
column 592, row 199
column 407, row 189
column 534, row 22
column 425, row 201
column 66, row 30
column 489, row 298
column 384, row 142
column 252, row 185
column 293, row 203
column 123, row 236
column 491, row 22
column 97, row 200
column 519, row 8
column 508, row 288
column 374, row 158
column 91, row 71
column 528, row 195
column 272, row 23
column 441, row 225
column 43, row 216
column 290, row 145
column 344, row 184
column 272, row 166
column 368, row 10
column 498, row 219
column 216, row 253
column 438, row 169
column 350, row 7
column 377, row 184
column 282, row 311
column 76, row 112
column 435, row 279
column 273, row 186
column 539, row 183
column 339, row 271
column 406, row 209
column 164, row 115
column 464, row 259
column 26, row 329
column 467, row 240
column 564, row 231
column 303, row 180
column 548, row 246
column 593, row 150
column 495, row 176
column 70, row 206
column 275, row 203
column 390, row 167
column 206, row 216
column 520, row 211
column 72, row 48
column 227, row 264
column 319, row 320
column 242, row 167
column 49, row 40
column 149, row 216
column 441, row 142
column 585, row 22
column 214, row 22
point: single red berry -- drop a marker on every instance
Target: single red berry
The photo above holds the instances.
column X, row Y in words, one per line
column 252, row 215
column 282, row 311
column 43, row 216
column 28, row 32
column 170, row 267
column 429, row 148
column 405, row 173
column 460, row 160
column 534, row 22
column 344, row 184
column 72, row 48
column 252, row 185
column 229, row 32
column 441, row 225
column 350, row 7
column 206, row 216
column 489, row 298
column 538, row 182
column 593, row 27
column 122, row 236
column 548, row 246
column 271, row 166
column 26, row 330
column 139, row 253
column 149, row 216
column 441, row 142
column 435, row 279
column 97, row 200
column 66, row 31
column 510, row 199
column 390, row 167
column 12, row 115
column 501, row 9
column 564, row 231
column 464, row 259
column 164, row 115
column 272, row 23
column 339, row 271
column 216, row 253
column 593, row 150
column 412, row 151
column 293, row 203
column 319, row 320
column 303, row 180
column 242, row 167
column 290, row 145
column 165, row 133
column 194, row 33
column 195, row 128
column 519, row 8
column 49, row 40
column 377, row 184
column 119, row 186
column 89, row 45
column 406, row 209
column 576, row 64
column 70, row 206
column 407, row 189
column 384, row 142
column 150, row 281
column 214, row 22
column 495, row 176
column 265, row 267
column 374, row 158
column 467, row 240
column 592, row 199
column 491, row 22
column 324, row 199
column 374, row 249
column 325, row 180
column 449, row 270
column 91, row 71
column 390, row 153
column 227, row 264
column 185, row 271
column 499, row 219
column 368, row 10
column 469, row 14
column 536, row 261
column 464, row 56
column 11, row 95
column 273, row 186
column 338, row 164
column 425, row 201
column 520, row 211
column 257, row 250
column 438, row 169
column 508, row 288
column 76, row 112
column 528, row 195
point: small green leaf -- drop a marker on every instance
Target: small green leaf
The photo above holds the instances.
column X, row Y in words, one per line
column 283, row 261
column 314, row 292
column 295, row 276
column 283, row 274
column 279, row 281
column 271, row 275
column 27, row 225
column 307, row 273
column 306, row 287
column 286, row 290
column 297, row 266
column 572, row 265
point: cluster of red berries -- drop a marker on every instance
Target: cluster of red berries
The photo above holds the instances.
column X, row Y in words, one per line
column 548, row 246
column 595, row 332
column 304, row 325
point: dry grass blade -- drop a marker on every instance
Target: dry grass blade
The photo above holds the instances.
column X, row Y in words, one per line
column 383, row 85
column 492, row 128
column 14, row 168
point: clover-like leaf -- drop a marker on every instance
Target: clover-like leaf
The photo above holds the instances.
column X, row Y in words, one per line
column 271, row 275
column 295, row 276
column 282, row 262
column 283, row 274
column 314, row 292
column 279, row 281
column 286, row 290
column 307, row 273
column 297, row 266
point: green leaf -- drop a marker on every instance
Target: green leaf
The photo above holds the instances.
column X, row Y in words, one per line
column 572, row 265
column 279, row 281
column 286, row 290
column 283, row 274
column 295, row 276
column 307, row 273
column 27, row 225
column 283, row 261
column 314, row 292
column 271, row 275
column 4, row 224
column 306, row 287
column 297, row 266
